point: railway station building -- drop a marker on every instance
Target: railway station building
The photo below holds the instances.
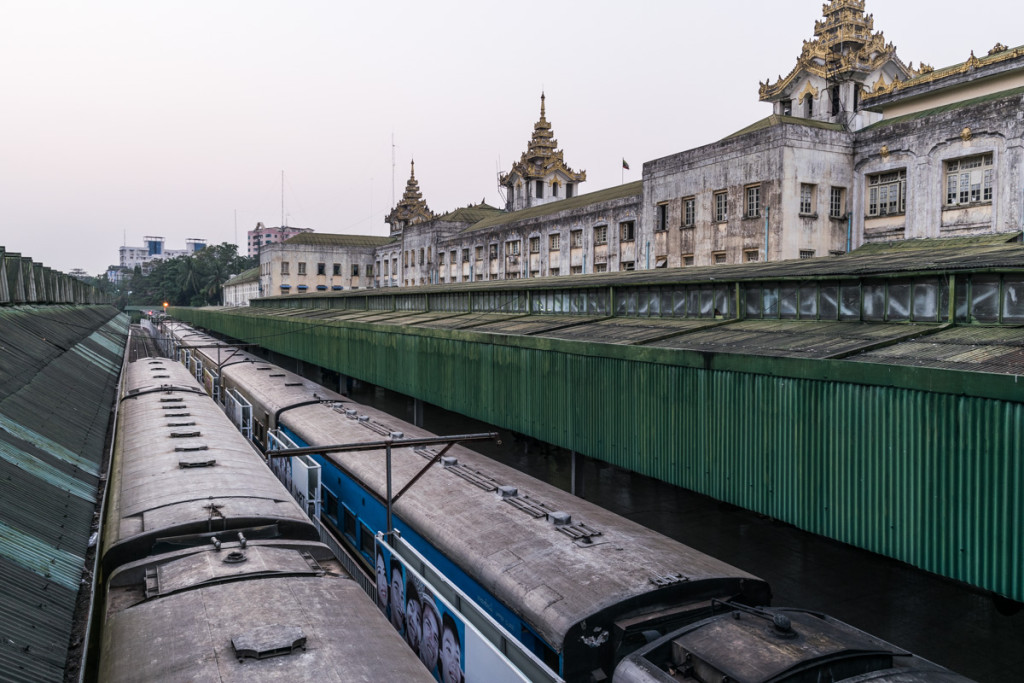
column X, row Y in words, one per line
column 860, row 147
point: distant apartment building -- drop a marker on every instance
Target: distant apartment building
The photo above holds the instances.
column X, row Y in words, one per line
column 261, row 236
column 130, row 257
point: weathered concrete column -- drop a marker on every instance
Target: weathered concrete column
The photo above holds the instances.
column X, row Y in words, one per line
column 576, row 474
column 417, row 412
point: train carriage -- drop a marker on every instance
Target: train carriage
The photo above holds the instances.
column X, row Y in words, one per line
column 211, row 570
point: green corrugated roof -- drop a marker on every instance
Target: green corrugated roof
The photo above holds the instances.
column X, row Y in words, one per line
column 326, row 239
column 471, row 214
column 251, row 275
column 776, row 120
column 932, row 244
column 58, row 380
column 1002, row 94
column 579, row 201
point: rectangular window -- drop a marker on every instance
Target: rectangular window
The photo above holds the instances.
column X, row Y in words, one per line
column 337, row 269
column 600, row 235
column 349, row 524
column 454, row 257
column 512, row 248
column 627, row 230
column 969, row 180
column 754, row 201
column 837, row 202
column 355, row 270
column 887, row 193
column 806, row 199
column 687, row 260
column 540, row 189
column 718, row 257
column 492, row 253
column 534, row 245
column 554, row 189
column 625, row 265
column 806, row 253
column 554, row 241
column 721, row 207
column 302, row 267
column 479, row 253
column 553, row 271
column 321, row 269
column 834, row 97
column 465, row 255
column 330, row 504
column 689, row 212
column 440, row 258
column 661, row 217
column 421, row 256
column 751, row 255
column 284, row 267
column 366, row 542
column 575, row 270
column 576, row 239
column 568, row 190
column 600, row 267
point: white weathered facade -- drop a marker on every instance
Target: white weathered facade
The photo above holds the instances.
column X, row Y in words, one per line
column 241, row 289
column 318, row 262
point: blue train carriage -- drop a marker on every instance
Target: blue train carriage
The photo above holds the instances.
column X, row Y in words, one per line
column 181, row 469
column 777, row 645
column 577, row 584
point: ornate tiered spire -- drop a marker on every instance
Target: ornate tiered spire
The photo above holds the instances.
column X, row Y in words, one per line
column 411, row 208
column 844, row 47
column 542, row 161
column 543, row 143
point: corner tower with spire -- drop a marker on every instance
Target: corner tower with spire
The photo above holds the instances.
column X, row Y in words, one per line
column 845, row 59
column 541, row 175
column 411, row 208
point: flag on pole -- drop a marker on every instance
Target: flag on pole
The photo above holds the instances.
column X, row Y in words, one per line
column 625, row 165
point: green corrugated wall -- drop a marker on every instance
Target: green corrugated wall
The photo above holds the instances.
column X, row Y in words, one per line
column 921, row 465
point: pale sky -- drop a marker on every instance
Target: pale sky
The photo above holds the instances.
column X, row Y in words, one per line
column 127, row 118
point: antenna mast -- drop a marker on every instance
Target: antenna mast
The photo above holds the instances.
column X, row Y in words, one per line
column 282, row 200
column 392, row 168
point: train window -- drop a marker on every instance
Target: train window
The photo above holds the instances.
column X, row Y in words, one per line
column 349, row 524
column 330, row 504
column 366, row 540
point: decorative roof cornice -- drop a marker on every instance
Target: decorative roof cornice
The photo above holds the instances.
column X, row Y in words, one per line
column 844, row 46
column 927, row 74
column 541, row 156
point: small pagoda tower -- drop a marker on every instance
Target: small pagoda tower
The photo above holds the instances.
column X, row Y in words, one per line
column 541, row 175
column 845, row 59
column 411, row 208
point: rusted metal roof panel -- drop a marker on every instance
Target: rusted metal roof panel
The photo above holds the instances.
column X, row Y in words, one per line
column 628, row 330
column 468, row 320
column 790, row 338
column 531, row 324
column 987, row 349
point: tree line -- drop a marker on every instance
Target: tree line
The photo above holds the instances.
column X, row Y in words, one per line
column 195, row 280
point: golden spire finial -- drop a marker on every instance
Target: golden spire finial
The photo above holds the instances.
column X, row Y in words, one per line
column 412, row 168
column 542, row 104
